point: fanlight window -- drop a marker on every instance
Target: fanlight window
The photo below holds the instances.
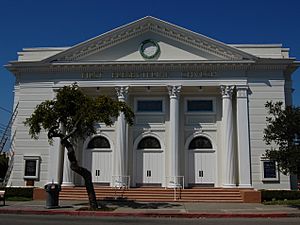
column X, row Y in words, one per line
column 99, row 142
column 200, row 143
column 149, row 142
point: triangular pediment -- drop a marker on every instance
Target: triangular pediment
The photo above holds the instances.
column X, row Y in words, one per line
column 176, row 43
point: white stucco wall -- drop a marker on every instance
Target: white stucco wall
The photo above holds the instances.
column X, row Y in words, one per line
column 264, row 86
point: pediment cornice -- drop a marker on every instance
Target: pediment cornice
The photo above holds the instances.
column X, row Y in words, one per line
column 150, row 24
column 71, row 67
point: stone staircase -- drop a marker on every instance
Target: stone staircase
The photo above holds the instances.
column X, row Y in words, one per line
column 147, row 194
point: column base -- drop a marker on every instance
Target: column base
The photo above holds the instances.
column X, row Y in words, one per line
column 67, row 184
column 229, row 186
column 244, row 186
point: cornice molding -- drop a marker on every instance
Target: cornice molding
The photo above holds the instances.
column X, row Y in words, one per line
column 143, row 67
column 131, row 67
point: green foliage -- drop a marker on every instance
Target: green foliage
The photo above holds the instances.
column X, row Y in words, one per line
column 271, row 195
column 3, row 165
column 283, row 123
column 77, row 112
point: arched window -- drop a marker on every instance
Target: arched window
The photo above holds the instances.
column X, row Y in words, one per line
column 149, row 142
column 99, row 142
column 200, row 143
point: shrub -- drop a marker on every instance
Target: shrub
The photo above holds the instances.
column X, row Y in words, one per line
column 22, row 192
column 271, row 195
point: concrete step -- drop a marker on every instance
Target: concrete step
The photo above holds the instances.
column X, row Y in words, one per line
column 156, row 194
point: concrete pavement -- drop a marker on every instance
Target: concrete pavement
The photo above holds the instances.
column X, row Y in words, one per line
column 154, row 209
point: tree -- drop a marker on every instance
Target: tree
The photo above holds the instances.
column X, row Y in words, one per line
column 72, row 115
column 283, row 127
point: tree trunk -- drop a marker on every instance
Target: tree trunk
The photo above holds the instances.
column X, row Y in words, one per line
column 86, row 175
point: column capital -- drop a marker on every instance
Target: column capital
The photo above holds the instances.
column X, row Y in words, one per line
column 174, row 91
column 122, row 92
column 242, row 91
column 227, row 90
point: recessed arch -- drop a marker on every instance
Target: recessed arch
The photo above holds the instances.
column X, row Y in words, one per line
column 149, row 166
column 200, row 160
column 98, row 158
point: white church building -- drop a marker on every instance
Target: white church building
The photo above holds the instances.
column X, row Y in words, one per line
column 198, row 104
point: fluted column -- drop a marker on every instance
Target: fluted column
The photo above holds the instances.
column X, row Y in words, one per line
column 174, row 92
column 228, row 148
column 120, row 152
column 243, row 136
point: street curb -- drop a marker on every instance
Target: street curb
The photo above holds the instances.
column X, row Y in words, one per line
column 148, row 214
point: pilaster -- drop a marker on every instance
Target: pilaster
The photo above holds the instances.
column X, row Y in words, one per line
column 243, row 141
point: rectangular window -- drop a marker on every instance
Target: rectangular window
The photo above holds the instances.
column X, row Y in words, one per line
column 32, row 165
column 149, row 106
column 269, row 170
column 199, row 105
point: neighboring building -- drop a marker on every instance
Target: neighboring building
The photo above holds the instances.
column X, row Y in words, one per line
column 199, row 106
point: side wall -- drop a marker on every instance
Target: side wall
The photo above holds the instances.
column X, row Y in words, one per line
column 29, row 95
column 264, row 86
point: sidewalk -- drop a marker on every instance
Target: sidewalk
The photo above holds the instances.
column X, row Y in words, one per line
column 157, row 209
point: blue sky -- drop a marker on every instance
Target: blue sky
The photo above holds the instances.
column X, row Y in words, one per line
column 55, row 23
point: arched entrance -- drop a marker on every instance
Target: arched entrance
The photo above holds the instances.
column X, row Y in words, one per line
column 149, row 162
column 100, row 158
column 200, row 162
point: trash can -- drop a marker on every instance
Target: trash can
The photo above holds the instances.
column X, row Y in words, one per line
column 52, row 191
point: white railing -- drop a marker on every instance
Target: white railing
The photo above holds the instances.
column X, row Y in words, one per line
column 175, row 182
column 121, row 181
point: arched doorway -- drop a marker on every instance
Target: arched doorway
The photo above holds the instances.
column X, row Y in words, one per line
column 100, row 159
column 149, row 162
column 200, row 162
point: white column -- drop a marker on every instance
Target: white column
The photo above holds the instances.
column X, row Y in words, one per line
column 228, row 148
column 120, row 152
column 60, row 169
column 53, row 165
column 68, row 174
column 174, row 92
column 61, row 156
column 243, row 136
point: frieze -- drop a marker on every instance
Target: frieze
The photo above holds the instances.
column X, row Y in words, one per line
column 147, row 75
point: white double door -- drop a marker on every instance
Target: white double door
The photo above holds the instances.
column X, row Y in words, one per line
column 102, row 167
column 149, row 167
column 201, row 167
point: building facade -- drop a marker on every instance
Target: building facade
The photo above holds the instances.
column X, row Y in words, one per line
column 199, row 106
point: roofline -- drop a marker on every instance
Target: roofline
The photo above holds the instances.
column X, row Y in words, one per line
column 151, row 18
column 257, row 45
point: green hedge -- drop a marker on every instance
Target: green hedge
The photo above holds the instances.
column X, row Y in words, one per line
column 24, row 192
column 271, row 195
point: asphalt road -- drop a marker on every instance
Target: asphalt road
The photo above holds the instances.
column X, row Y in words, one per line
column 7, row 219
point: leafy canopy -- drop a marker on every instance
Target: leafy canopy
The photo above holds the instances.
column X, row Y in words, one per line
column 283, row 126
column 77, row 112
